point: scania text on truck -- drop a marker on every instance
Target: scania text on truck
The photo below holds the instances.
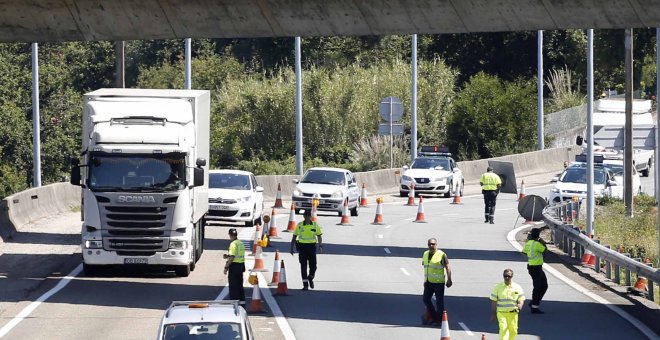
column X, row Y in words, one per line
column 144, row 178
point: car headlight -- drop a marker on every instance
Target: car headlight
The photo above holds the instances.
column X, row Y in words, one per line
column 297, row 192
column 555, row 190
column 94, row 244
column 337, row 194
column 244, row 199
column 406, row 178
column 178, row 244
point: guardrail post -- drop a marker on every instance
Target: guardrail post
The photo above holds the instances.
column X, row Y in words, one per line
column 597, row 259
column 608, row 267
column 627, row 273
column 617, row 274
column 651, row 295
column 565, row 244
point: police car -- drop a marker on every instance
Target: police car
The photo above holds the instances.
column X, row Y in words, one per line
column 205, row 320
column 234, row 196
column 572, row 182
column 434, row 172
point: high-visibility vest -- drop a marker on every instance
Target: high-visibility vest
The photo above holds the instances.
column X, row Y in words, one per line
column 306, row 233
column 237, row 250
column 434, row 270
column 507, row 297
column 534, row 250
column 490, row 181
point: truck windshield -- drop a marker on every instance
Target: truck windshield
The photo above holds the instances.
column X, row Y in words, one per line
column 136, row 173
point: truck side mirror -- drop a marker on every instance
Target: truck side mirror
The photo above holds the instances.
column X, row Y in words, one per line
column 198, row 174
column 75, row 171
column 201, row 162
column 579, row 140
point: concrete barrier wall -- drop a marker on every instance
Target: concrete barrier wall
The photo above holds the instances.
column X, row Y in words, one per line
column 33, row 204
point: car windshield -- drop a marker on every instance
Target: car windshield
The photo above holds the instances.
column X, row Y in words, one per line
column 579, row 175
column 202, row 331
column 229, row 181
column 324, row 177
column 430, row 163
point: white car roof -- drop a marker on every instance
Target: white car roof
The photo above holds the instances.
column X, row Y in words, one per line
column 230, row 171
column 215, row 311
column 328, row 169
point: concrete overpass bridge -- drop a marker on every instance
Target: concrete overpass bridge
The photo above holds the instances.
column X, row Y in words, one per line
column 69, row 20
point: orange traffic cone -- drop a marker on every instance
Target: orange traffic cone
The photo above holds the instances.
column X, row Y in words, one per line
column 258, row 260
column 588, row 258
column 291, row 227
column 363, row 196
column 521, row 195
column 272, row 228
column 411, row 195
column 278, row 197
column 282, row 288
column 276, row 269
column 457, row 198
column 255, row 303
column 420, row 211
column 378, row 220
column 344, row 215
column 256, row 240
column 314, row 216
column 640, row 287
column 444, row 334
column 483, row 336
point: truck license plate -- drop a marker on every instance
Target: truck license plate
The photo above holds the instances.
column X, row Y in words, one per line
column 136, row 260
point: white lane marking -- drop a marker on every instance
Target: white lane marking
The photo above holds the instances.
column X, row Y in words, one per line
column 275, row 308
column 32, row 306
column 409, row 219
column 466, row 329
column 380, row 235
column 511, row 237
column 388, row 226
column 504, row 209
column 387, row 250
column 405, row 272
column 449, row 214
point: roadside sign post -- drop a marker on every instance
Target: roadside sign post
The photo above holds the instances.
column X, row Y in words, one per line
column 391, row 110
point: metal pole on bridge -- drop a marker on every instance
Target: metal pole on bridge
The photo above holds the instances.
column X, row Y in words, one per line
column 119, row 64
column 657, row 135
column 36, row 127
column 628, row 130
column 299, row 127
column 540, row 144
column 413, row 102
column 590, row 132
column 187, row 83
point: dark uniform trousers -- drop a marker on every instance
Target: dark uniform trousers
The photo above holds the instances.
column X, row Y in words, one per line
column 235, row 277
column 439, row 290
column 490, row 197
column 540, row 283
column 307, row 255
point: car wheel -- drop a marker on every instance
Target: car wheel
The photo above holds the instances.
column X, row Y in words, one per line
column 403, row 194
column 340, row 212
column 645, row 172
column 448, row 194
column 462, row 187
column 355, row 210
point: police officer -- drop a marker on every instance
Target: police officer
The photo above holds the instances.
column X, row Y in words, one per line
column 306, row 237
column 436, row 264
column 535, row 248
column 490, row 187
column 235, row 266
column 507, row 299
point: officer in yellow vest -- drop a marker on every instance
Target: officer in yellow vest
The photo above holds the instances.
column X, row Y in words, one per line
column 306, row 237
column 436, row 264
column 235, row 266
column 490, row 187
column 535, row 248
column 507, row 299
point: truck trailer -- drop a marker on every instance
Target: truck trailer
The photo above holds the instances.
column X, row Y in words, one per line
column 143, row 171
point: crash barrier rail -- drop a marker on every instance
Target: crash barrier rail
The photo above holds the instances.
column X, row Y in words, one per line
column 575, row 243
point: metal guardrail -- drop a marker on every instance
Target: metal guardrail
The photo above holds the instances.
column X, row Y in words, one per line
column 574, row 243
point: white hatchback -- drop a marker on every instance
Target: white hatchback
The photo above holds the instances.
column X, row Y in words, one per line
column 205, row 320
column 332, row 186
column 234, row 196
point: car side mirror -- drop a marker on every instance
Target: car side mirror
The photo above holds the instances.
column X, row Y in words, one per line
column 295, row 180
column 612, row 183
column 198, row 179
column 259, row 188
column 352, row 185
column 405, row 167
column 554, row 179
column 455, row 170
column 201, row 162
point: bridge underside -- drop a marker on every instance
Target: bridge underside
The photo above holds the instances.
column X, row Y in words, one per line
column 67, row 20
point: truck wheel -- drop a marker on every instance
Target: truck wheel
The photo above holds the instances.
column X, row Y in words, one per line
column 182, row 271
column 90, row 269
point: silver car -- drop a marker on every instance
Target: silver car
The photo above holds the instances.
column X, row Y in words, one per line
column 331, row 186
column 205, row 320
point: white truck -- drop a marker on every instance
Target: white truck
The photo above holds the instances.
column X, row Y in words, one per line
column 144, row 178
column 611, row 112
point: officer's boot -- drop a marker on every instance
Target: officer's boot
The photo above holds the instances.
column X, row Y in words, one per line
column 492, row 219
column 487, row 219
column 305, row 285
column 311, row 281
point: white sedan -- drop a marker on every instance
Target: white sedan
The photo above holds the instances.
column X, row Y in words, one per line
column 234, row 196
column 433, row 176
column 616, row 165
column 332, row 187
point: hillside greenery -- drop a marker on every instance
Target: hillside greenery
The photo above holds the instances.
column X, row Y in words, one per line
column 476, row 94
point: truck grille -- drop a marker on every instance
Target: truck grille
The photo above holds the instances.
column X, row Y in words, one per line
column 137, row 229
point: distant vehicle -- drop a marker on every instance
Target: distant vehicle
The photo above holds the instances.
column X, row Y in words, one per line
column 434, row 172
column 205, row 320
column 234, row 196
column 332, row 186
column 573, row 183
column 616, row 165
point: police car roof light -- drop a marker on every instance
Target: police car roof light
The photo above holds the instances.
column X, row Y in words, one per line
column 434, row 150
column 598, row 159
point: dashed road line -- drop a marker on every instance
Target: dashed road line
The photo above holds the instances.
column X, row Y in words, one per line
column 387, row 250
column 405, row 272
column 466, row 329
